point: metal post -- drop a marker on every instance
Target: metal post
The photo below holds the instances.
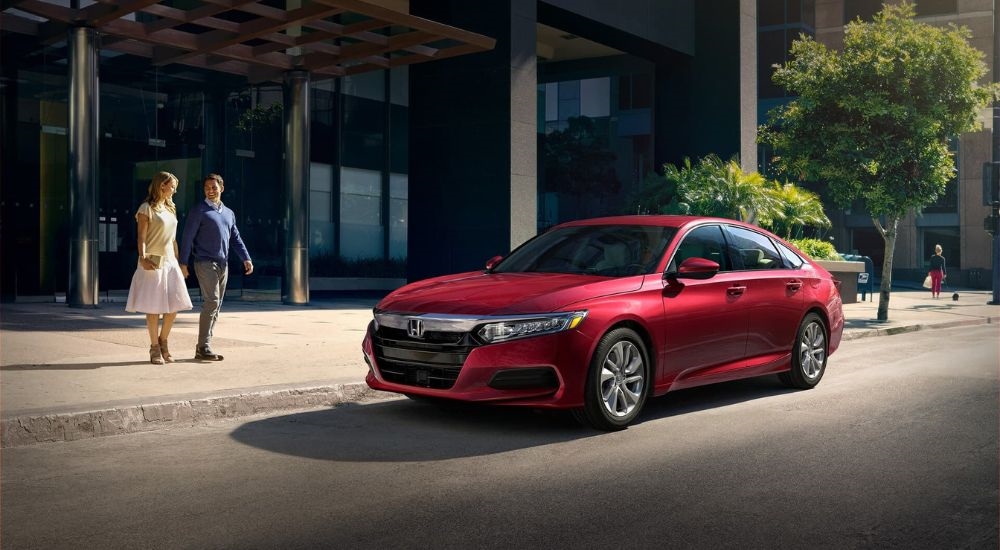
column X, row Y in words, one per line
column 996, row 158
column 295, row 286
column 83, row 167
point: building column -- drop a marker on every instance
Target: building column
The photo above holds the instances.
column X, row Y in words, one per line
column 84, row 100
column 473, row 139
column 748, row 85
column 295, row 284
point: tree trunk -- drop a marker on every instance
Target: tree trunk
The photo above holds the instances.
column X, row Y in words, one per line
column 888, row 232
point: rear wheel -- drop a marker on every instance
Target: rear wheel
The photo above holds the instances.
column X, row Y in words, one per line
column 808, row 354
column 615, row 390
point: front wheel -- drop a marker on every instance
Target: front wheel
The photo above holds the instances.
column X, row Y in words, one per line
column 615, row 390
column 808, row 354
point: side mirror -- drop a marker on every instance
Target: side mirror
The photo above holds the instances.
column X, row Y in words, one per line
column 694, row 268
column 492, row 262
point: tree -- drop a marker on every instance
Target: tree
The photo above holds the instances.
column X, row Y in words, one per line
column 873, row 121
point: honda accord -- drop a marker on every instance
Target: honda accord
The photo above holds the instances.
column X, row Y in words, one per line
column 597, row 316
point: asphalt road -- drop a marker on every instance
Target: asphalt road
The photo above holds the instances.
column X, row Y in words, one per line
column 896, row 448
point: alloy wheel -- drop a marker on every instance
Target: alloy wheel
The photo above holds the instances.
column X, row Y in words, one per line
column 622, row 379
column 812, row 350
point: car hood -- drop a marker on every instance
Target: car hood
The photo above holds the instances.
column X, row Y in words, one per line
column 479, row 293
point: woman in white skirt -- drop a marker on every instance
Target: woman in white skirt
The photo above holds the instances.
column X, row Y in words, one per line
column 158, row 286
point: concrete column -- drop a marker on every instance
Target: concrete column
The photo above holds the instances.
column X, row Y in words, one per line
column 523, row 122
column 473, row 140
column 84, row 96
column 748, row 85
column 295, row 284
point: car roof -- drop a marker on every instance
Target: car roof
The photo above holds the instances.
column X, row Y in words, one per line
column 652, row 220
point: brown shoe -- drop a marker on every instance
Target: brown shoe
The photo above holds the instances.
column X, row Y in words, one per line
column 154, row 355
column 206, row 355
column 165, row 352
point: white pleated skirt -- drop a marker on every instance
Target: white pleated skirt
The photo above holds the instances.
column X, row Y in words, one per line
column 158, row 290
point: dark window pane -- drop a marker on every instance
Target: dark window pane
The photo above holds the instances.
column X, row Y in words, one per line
column 771, row 50
column 936, row 7
column 770, row 12
column 809, row 13
column 323, row 130
column 364, row 133
column 399, row 140
column 642, row 91
column 865, row 9
column 625, row 92
column 794, row 11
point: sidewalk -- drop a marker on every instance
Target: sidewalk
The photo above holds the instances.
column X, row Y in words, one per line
column 68, row 373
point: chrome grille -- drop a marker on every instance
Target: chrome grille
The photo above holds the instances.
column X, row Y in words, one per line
column 433, row 361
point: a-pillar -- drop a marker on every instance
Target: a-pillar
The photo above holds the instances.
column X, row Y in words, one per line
column 473, row 139
column 295, row 284
column 84, row 98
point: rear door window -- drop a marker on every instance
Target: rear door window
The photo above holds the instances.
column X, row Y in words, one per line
column 753, row 251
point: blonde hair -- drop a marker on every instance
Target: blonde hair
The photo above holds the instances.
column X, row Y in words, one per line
column 155, row 195
column 937, row 249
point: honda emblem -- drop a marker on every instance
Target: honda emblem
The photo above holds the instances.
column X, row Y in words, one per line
column 415, row 328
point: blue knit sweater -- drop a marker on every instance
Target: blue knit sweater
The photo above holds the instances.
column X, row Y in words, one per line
column 208, row 234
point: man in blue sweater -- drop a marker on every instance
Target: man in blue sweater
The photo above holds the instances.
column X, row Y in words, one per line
column 208, row 233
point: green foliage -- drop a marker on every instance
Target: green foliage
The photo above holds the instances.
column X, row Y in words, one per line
column 792, row 209
column 258, row 117
column 817, row 249
column 874, row 120
column 712, row 187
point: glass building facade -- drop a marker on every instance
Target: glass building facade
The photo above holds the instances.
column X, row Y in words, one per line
column 428, row 150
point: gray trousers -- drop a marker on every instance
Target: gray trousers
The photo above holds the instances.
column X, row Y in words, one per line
column 212, row 278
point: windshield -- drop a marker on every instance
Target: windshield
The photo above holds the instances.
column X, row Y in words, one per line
column 606, row 250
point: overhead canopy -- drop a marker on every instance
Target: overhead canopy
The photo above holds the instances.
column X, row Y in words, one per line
column 257, row 39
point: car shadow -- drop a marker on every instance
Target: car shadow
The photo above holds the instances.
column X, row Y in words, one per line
column 713, row 396
column 402, row 430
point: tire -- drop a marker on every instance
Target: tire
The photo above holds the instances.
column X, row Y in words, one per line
column 617, row 382
column 809, row 354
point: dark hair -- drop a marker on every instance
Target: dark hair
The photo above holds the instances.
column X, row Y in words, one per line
column 215, row 177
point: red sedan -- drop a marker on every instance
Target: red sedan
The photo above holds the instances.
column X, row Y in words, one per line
column 598, row 315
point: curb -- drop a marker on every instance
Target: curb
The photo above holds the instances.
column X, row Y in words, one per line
column 29, row 430
column 868, row 333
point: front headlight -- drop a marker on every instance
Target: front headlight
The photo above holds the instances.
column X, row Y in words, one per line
column 523, row 327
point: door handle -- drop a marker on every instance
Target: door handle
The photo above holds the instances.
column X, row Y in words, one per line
column 736, row 290
column 793, row 286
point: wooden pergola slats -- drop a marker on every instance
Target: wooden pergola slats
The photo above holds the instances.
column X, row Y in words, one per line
column 252, row 38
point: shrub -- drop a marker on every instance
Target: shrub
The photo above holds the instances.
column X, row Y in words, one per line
column 817, row 249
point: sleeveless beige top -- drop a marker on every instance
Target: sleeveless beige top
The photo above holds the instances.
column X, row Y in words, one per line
column 161, row 232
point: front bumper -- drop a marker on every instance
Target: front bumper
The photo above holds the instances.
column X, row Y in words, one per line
column 546, row 371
